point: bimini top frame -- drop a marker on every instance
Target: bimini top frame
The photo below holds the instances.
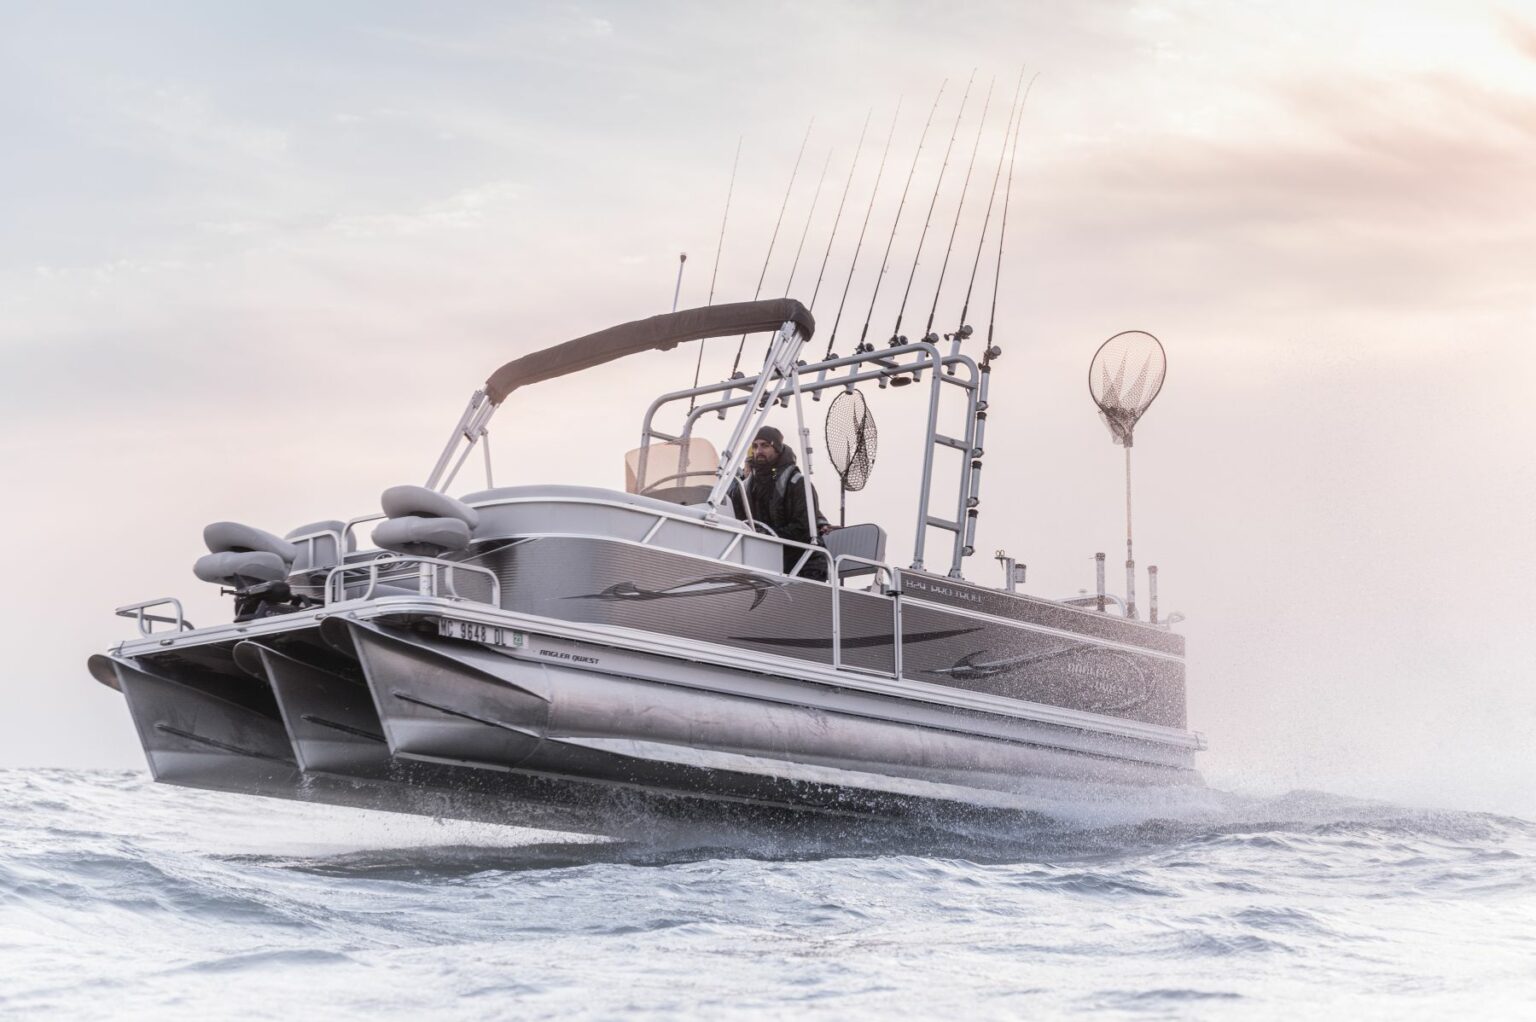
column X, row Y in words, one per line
column 782, row 379
column 791, row 321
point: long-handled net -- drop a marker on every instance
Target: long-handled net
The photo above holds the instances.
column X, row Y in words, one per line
column 1125, row 377
column 852, row 443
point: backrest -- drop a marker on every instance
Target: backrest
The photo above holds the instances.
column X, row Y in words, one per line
column 867, row 541
column 319, row 545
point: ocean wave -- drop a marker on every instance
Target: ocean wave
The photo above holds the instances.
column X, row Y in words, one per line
column 121, row 897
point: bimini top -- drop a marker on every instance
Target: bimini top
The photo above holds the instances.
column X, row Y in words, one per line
column 657, row 332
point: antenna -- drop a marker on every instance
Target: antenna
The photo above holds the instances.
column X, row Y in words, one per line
column 682, row 257
column 1124, row 378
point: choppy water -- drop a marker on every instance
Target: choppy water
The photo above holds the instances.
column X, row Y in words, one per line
column 119, row 898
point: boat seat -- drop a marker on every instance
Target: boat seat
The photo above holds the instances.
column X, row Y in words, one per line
column 424, row 522
column 240, row 569
column 322, row 550
column 867, row 541
column 240, row 556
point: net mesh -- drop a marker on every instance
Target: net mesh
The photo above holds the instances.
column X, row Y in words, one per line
column 852, row 439
column 1125, row 377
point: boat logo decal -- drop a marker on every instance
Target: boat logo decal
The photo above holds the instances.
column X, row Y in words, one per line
column 710, row 585
column 1102, row 680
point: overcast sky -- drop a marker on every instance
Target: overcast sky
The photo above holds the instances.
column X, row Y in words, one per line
column 255, row 259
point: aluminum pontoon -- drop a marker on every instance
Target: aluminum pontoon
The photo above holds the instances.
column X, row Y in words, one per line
column 588, row 659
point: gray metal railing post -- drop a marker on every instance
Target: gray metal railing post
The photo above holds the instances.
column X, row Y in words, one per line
column 1152, row 593
column 1099, row 572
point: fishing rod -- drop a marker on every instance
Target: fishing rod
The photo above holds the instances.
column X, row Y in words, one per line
column 1002, row 230
column 742, row 344
column 855, row 262
column 928, row 335
column 815, row 197
column 897, row 222
column 896, row 337
column 698, row 365
column 858, row 148
column 964, row 330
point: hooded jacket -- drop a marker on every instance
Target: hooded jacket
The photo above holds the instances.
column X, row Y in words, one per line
column 775, row 495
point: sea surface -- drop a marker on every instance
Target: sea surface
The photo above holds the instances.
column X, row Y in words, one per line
column 120, row 898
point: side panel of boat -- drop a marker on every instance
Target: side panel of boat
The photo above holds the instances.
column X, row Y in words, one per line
column 444, row 700
column 1053, row 655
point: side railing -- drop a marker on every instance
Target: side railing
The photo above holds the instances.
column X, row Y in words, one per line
column 425, row 576
column 147, row 621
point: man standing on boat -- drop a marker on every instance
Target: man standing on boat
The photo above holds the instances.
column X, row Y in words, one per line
column 776, row 496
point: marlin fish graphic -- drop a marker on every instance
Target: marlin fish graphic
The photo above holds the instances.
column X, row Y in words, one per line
column 1098, row 698
column 973, row 666
column 712, row 585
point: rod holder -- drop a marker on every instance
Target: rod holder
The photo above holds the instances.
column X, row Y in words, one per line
column 1152, row 593
column 1098, row 560
column 1130, row 589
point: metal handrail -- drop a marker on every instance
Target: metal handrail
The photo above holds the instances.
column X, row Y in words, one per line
column 147, row 622
column 429, row 576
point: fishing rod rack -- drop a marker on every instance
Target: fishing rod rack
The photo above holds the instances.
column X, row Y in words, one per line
column 897, row 365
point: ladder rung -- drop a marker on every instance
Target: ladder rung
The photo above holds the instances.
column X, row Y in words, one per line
column 940, row 523
column 949, row 441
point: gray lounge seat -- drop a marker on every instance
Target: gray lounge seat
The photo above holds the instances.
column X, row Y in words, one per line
column 424, row 522
column 240, row 556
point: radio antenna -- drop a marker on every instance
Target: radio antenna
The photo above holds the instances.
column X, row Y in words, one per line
column 682, row 258
column 860, row 244
column 928, row 334
column 772, row 240
column 698, row 364
column 937, row 184
column 886, row 260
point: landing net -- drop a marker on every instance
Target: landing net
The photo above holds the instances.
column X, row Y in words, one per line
column 1124, row 378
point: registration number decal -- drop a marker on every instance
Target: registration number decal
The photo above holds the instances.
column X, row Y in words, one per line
column 490, row 635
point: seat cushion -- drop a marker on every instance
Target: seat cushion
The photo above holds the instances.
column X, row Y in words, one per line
column 231, row 567
column 232, row 537
column 420, row 502
column 425, row 537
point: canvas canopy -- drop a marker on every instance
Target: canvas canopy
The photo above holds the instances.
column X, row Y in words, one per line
column 657, row 332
